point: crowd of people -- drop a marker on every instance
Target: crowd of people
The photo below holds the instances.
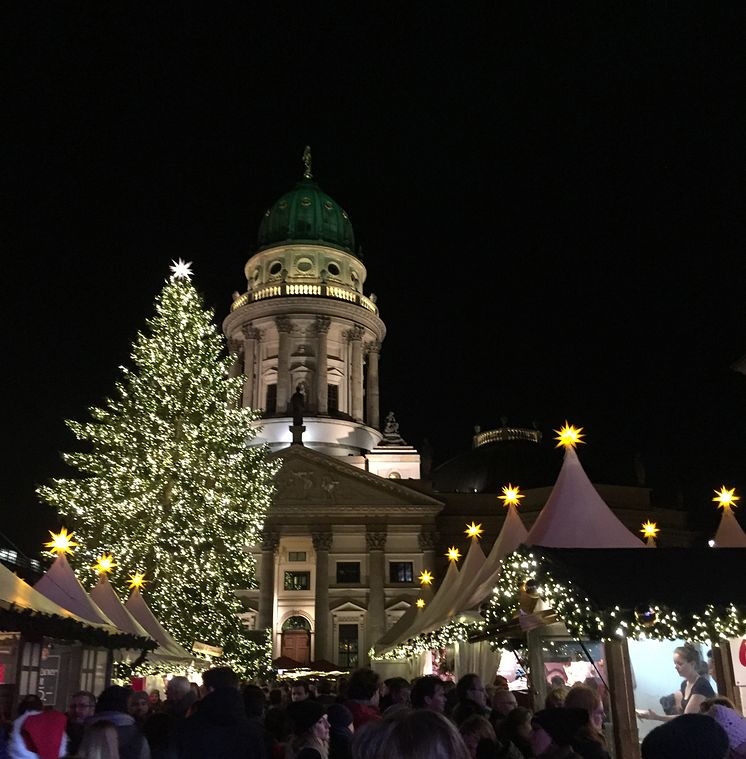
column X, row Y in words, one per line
column 361, row 717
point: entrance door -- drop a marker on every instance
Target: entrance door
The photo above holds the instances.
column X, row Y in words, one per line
column 297, row 645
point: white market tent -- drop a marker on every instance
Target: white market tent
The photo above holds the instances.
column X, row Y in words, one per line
column 729, row 533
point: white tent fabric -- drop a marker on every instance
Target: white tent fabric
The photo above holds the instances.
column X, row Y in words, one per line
column 60, row 584
column 137, row 607
column 475, row 657
column 575, row 515
column 15, row 592
column 729, row 533
column 107, row 600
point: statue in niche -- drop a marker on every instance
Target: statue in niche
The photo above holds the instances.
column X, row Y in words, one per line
column 297, row 404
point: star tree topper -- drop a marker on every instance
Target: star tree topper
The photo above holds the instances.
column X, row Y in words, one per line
column 181, row 270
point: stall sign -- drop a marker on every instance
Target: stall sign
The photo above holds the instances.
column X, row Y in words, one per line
column 738, row 654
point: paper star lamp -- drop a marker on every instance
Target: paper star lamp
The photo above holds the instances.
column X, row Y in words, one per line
column 137, row 580
column 511, row 495
column 453, row 553
column 181, row 269
column 569, row 436
column 473, row 530
column 425, row 577
column 649, row 530
column 105, row 564
column 420, row 603
column 62, row 542
column 726, row 499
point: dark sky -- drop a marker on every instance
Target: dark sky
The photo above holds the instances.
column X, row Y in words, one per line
column 549, row 199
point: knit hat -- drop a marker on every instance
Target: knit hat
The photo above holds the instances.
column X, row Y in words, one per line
column 561, row 724
column 339, row 716
column 731, row 721
column 690, row 736
column 305, row 714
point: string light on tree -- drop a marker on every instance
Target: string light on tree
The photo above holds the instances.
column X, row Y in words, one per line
column 725, row 498
column 62, row 542
column 473, row 530
column 569, row 436
column 453, row 554
column 511, row 495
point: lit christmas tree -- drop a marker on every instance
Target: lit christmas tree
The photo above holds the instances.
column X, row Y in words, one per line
column 168, row 485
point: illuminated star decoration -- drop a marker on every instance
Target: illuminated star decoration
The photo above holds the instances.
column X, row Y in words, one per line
column 569, row 436
column 726, row 499
column 511, row 495
column 181, row 269
column 473, row 530
column 425, row 577
column 420, row 603
column 137, row 580
column 105, row 564
column 62, row 542
column 649, row 530
column 453, row 553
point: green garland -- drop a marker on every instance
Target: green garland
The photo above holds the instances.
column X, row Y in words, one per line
column 453, row 631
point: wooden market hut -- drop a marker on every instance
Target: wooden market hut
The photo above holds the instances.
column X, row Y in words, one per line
column 611, row 595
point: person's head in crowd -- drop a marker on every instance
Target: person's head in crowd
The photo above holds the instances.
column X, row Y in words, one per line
column 29, row 703
column 363, row 686
column 100, row 741
column 556, row 697
column 138, row 705
column 155, row 698
column 516, row 728
column 470, row 688
column 178, row 688
column 503, row 701
column 474, row 729
column 398, row 692
column 254, row 701
column 428, row 693
column 82, row 706
column 557, row 681
column 708, row 703
column 340, row 719
column 300, row 690
column 555, row 728
column 688, row 661
column 275, row 696
column 219, row 677
column 115, row 698
column 309, row 724
column 734, row 725
column 583, row 697
column 410, row 734
column 501, row 682
column 689, row 736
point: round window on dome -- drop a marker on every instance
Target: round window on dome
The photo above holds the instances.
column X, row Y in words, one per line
column 304, row 265
column 333, row 269
column 275, row 267
column 283, row 204
column 305, row 201
column 328, row 205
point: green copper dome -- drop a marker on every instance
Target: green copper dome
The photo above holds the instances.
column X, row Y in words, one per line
column 306, row 214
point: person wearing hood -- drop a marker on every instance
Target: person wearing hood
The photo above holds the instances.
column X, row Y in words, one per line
column 112, row 706
column 341, row 731
column 220, row 728
column 310, row 730
column 553, row 731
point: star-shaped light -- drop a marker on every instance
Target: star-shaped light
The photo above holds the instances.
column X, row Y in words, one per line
column 569, row 436
column 511, row 495
column 453, row 553
column 473, row 530
column 137, row 580
column 181, row 269
column 62, row 542
column 726, row 499
column 649, row 529
column 425, row 577
column 105, row 564
column 420, row 603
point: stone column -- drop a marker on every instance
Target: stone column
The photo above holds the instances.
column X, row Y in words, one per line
column 251, row 336
column 284, row 328
column 372, row 403
column 270, row 542
column 375, row 538
column 322, row 391
column 427, row 540
column 322, row 543
column 355, row 336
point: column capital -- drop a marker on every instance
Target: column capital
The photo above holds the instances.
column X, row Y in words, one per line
column 234, row 346
column 427, row 540
column 322, row 324
column 355, row 333
column 270, row 540
column 284, row 324
column 249, row 332
column 374, row 346
column 375, row 539
column 322, row 540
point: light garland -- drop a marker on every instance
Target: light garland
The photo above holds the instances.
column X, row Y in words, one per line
column 452, row 632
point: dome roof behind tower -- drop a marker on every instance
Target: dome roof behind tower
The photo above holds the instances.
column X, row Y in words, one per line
column 306, row 214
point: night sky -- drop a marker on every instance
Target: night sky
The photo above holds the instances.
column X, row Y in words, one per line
column 549, row 198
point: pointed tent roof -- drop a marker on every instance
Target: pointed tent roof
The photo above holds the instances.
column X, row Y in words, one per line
column 137, row 607
column 449, row 605
column 60, row 584
column 108, row 601
column 404, row 622
column 575, row 515
column 729, row 533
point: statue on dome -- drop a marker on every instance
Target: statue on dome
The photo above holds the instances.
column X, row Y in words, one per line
column 391, row 434
column 307, row 162
column 297, row 403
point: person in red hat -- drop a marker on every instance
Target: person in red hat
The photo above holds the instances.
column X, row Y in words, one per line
column 38, row 733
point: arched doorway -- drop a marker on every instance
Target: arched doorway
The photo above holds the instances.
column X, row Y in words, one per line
column 296, row 639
